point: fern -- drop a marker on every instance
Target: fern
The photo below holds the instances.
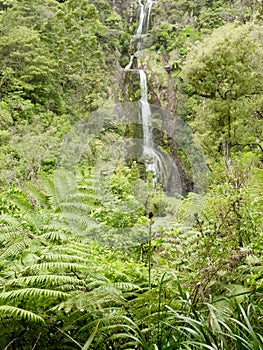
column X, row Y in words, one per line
column 14, row 248
column 58, row 266
column 76, row 249
column 33, row 293
column 54, row 236
column 27, row 211
column 50, row 191
column 64, row 185
column 64, row 257
column 47, row 280
column 9, row 223
column 36, row 195
column 12, row 311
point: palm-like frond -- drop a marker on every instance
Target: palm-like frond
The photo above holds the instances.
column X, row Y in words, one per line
column 36, row 195
column 33, row 293
column 64, row 257
column 50, row 191
column 27, row 211
column 58, row 266
column 12, row 311
column 8, row 223
column 47, row 280
column 14, row 248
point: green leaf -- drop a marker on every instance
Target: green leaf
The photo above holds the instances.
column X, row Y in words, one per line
column 12, row 311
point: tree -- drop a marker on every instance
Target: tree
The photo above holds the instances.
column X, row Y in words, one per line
column 28, row 71
column 75, row 32
column 223, row 77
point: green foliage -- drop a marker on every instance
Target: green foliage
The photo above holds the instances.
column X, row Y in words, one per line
column 85, row 288
column 102, row 259
column 28, row 70
column 223, row 76
column 78, row 51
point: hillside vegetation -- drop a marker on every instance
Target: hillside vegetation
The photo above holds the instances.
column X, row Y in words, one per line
column 105, row 259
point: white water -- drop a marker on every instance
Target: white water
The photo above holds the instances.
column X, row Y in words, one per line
column 151, row 158
column 129, row 65
column 144, row 22
column 141, row 19
column 153, row 161
column 149, row 8
column 142, row 29
column 144, row 18
column 145, row 111
column 159, row 163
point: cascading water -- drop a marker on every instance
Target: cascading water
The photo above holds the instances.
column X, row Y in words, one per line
column 141, row 19
column 158, row 163
column 152, row 159
column 142, row 29
column 153, row 162
column 144, row 20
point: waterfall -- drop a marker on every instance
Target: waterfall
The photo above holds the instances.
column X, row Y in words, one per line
column 150, row 156
column 144, row 22
column 141, row 19
column 153, row 161
column 149, row 8
column 142, row 29
column 129, row 65
column 144, row 18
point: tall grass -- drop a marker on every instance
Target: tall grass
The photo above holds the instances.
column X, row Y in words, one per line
column 178, row 323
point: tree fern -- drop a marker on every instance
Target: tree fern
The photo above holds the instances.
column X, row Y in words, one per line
column 56, row 256
column 26, row 211
column 32, row 293
column 57, row 266
column 36, row 195
column 14, row 248
column 47, row 280
column 12, row 311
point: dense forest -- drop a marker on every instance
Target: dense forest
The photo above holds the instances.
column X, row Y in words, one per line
column 95, row 254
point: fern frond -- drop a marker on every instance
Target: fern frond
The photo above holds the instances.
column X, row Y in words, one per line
column 8, row 236
column 36, row 195
column 28, row 212
column 85, row 196
column 14, row 249
column 77, row 206
column 58, row 266
column 12, row 311
column 76, row 215
column 50, row 190
column 54, row 236
column 78, row 248
column 126, row 286
column 65, row 184
column 71, row 251
column 32, row 293
column 116, row 286
column 50, row 280
column 11, row 222
column 64, row 257
column 56, row 225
